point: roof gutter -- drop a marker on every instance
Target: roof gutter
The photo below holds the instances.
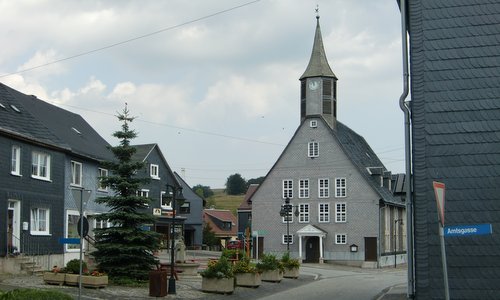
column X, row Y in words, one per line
column 405, row 107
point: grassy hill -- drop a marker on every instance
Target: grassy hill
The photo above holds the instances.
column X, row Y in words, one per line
column 221, row 200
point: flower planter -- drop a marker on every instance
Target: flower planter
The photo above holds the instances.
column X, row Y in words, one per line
column 248, row 279
column 95, row 281
column 71, row 279
column 53, row 278
column 215, row 285
column 291, row 273
column 272, row 276
column 87, row 280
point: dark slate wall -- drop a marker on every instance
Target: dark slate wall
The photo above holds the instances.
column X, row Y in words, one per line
column 455, row 79
column 32, row 193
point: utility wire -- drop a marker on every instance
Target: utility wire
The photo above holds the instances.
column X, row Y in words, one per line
column 131, row 40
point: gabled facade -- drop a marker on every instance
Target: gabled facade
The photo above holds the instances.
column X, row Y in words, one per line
column 48, row 151
column 339, row 189
column 192, row 210
column 455, row 116
column 245, row 213
column 158, row 171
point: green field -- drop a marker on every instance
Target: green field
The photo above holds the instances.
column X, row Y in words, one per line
column 222, row 201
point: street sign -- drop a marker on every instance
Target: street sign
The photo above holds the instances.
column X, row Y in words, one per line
column 81, row 198
column 465, row 230
column 69, row 241
column 256, row 233
column 85, row 230
column 439, row 189
column 156, row 211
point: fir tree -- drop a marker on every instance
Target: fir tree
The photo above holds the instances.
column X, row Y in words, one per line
column 125, row 249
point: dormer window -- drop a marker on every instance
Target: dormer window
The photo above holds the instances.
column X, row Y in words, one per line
column 313, row 124
column 154, row 171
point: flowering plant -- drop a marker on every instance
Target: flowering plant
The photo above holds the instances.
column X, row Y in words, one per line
column 97, row 273
column 56, row 269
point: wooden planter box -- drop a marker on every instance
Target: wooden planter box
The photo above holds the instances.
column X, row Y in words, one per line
column 71, row 279
column 54, row 278
column 248, row 279
column 87, row 281
column 291, row 273
column 272, row 276
column 215, row 285
column 95, row 281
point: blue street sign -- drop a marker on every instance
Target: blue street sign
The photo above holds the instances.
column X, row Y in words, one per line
column 69, row 241
column 463, row 230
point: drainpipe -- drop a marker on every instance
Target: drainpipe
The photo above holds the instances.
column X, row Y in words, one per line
column 404, row 105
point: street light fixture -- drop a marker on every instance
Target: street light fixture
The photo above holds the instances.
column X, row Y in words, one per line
column 400, row 221
column 285, row 212
column 174, row 193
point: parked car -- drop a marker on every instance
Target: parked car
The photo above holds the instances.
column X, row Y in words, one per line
column 236, row 244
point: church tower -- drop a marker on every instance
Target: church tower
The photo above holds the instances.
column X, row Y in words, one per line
column 318, row 85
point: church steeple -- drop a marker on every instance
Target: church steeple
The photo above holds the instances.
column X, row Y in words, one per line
column 319, row 84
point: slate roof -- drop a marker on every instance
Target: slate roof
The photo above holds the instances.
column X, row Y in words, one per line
column 42, row 122
column 143, row 151
column 318, row 63
column 246, row 204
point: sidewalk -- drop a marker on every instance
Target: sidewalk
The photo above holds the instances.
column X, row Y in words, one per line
column 398, row 292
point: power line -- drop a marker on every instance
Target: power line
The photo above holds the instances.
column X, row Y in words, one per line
column 131, row 39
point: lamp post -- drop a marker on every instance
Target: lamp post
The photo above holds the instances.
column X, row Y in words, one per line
column 285, row 212
column 176, row 195
column 400, row 221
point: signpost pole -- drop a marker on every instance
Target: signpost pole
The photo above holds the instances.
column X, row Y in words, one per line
column 439, row 192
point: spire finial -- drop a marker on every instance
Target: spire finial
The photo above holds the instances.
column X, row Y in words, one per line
column 317, row 11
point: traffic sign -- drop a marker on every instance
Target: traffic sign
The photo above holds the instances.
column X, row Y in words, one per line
column 464, row 230
column 439, row 189
column 85, row 230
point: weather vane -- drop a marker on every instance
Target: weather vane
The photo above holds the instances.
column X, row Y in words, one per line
column 317, row 11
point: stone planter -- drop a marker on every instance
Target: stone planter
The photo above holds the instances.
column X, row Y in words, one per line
column 95, row 281
column 54, row 278
column 291, row 273
column 272, row 276
column 248, row 279
column 215, row 285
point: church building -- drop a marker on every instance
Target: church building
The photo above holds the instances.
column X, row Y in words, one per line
column 341, row 205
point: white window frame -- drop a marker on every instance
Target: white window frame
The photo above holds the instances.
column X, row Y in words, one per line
column 144, row 193
column 76, row 173
column 323, row 188
column 72, row 247
column 102, row 173
column 290, row 215
column 40, row 169
column 284, row 239
column 340, row 187
column 341, row 239
column 304, row 212
column 323, row 212
column 15, row 167
column 166, row 207
column 313, row 123
column 313, row 149
column 101, row 224
column 340, row 212
column 287, row 187
column 154, row 171
column 36, row 222
column 303, row 188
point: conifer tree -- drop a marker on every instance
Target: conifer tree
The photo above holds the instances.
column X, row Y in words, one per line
column 125, row 249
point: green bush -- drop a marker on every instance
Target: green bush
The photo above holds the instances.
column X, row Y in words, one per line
column 218, row 269
column 288, row 262
column 269, row 262
column 244, row 266
column 73, row 266
column 232, row 253
column 22, row 294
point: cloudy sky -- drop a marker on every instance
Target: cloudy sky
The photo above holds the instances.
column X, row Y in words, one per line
column 214, row 83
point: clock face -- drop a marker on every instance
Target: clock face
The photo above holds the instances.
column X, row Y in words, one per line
column 313, row 85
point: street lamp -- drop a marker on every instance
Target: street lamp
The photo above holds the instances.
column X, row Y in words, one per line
column 176, row 194
column 285, row 212
column 400, row 221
